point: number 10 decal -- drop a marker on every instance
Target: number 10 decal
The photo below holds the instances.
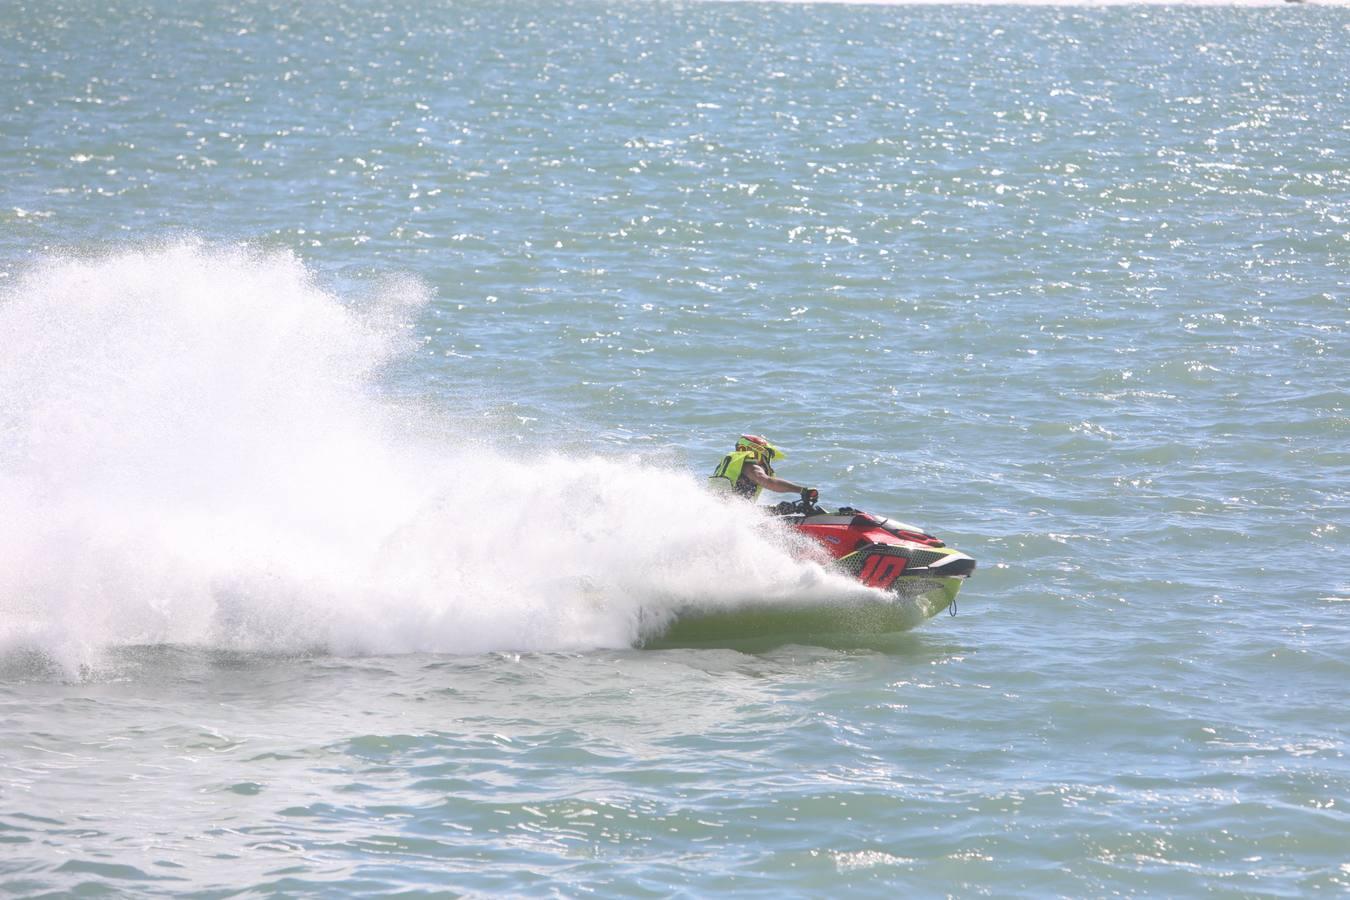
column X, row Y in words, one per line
column 880, row 570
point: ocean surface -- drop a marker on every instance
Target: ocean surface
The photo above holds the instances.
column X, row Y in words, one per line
column 361, row 364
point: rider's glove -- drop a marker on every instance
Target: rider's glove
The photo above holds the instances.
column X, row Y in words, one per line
column 810, row 495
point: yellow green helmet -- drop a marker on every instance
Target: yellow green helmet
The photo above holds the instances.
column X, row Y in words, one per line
column 753, row 443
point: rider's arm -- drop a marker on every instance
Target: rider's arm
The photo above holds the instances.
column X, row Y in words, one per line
column 756, row 473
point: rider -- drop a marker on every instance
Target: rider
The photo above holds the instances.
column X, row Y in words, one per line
column 748, row 469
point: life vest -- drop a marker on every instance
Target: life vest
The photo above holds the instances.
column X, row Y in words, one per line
column 727, row 478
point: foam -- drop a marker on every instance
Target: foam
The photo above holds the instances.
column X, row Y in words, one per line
column 197, row 450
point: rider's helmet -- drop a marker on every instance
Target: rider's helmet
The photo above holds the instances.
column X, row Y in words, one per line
column 763, row 450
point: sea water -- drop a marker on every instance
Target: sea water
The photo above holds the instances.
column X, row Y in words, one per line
column 360, row 364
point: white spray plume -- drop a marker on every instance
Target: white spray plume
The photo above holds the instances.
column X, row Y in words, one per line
column 194, row 450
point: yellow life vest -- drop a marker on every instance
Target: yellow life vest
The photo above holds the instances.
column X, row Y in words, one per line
column 726, row 478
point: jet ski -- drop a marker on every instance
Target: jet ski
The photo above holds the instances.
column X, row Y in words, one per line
column 883, row 553
column 917, row 574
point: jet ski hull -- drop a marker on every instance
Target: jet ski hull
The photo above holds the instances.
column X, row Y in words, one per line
column 888, row 555
column 919, row 575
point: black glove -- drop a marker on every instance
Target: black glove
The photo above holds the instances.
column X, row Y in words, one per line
column 810, row 495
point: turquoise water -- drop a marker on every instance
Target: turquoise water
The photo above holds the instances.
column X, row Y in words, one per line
column 359, row 368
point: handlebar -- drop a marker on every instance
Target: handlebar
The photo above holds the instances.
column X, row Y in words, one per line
column 801, row 507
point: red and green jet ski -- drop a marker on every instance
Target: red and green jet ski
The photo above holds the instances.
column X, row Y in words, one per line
column 918, row 574
column 883, row 553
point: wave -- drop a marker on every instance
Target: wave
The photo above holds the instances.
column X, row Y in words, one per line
column 197, row 450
